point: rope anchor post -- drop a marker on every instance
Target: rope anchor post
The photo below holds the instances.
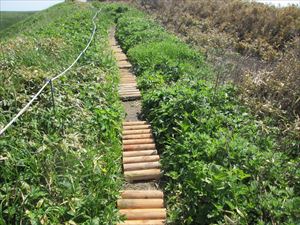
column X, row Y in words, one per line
column 52, row 95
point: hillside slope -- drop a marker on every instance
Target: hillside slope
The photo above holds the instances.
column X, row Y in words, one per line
column 57, row 165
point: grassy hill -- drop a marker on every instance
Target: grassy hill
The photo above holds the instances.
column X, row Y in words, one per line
column 9, row 18
column 57, row 166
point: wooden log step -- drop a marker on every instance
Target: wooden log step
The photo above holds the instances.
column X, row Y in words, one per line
column 138, row 159
column 130, row 98
column 127, row 82
column 141, row 166
column 131, row 94
column 140, row 131
column 137, row 127
column 140, row 203
column 140, row 194
column 142, row 175
column 137, row 136
column 117, row 51
column 127, row 75
column 138, row 141
column 125, row 71
column 132, row 91
column 125, row 94
column 138, row 147
column 143, row 222
column 128, row 78
column 123, row 64
column 146, row 214
column 128, row 87
column 121, row 58
column 129, row 90
column 139, row 153
column 130, row 123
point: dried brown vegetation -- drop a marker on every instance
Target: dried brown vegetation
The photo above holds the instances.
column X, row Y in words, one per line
column 256, row 46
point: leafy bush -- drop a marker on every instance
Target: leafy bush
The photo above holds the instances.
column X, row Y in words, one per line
column 219, row 165
column 57, row 166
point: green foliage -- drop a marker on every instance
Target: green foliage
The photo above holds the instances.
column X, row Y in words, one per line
column 59, row 166
column 218, row 162
column 221, row 165
column 161, row 58
column 7, row 19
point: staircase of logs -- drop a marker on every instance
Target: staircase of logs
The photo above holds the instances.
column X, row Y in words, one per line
column 140, row 157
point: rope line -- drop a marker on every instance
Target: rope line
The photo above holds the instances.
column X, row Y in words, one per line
column 23, row 110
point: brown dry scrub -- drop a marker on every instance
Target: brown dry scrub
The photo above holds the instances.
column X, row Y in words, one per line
column 251, row 44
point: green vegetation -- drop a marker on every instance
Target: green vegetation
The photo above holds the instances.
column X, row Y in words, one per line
column 221, row 163
column 250, row 44
column 9, row 18
column 58, row 166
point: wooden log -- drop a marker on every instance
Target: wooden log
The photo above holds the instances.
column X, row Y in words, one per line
column 142, row 222
column 138, row 94
column 124, row 65
column 141, row 194
column 125, row 71
column 141, row 131
column 146, row 214
column 129, row 87
column 141, row 166
column 127, row 80
column 124, row 93
column 130, row 95
column 137, row 127
column 129, row 90
column 133, row 90
column 138, row 147
column 130, row 98
column 132, row 82
column 137, row 136
column 140, row 203
column 142, row 175
column 130, row 123
column 137, row 159
column 138, row 141
column 139, row 153
column 121, row 58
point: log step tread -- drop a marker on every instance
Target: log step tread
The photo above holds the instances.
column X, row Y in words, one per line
column 142, row 222
column 139, row 153
column 150, row 214
column 142, row 194
column 142, row 175
column 140, row 203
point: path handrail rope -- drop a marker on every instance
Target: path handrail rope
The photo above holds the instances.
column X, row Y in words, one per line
column 23, row 110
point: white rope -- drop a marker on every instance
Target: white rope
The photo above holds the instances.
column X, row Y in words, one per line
column 23, row 110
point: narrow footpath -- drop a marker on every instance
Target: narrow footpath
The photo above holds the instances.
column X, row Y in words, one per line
column 141, row 200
